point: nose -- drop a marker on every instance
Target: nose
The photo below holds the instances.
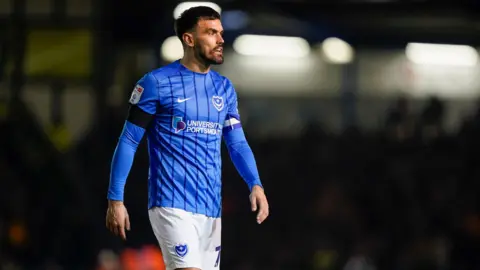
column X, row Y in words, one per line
column 220, row 40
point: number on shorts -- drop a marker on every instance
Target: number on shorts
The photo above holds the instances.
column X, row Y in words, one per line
column 218, row 257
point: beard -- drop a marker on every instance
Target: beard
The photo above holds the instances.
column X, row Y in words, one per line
column 209, row 59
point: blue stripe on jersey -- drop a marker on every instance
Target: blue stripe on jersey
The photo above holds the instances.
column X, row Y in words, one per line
column 196, row 139
column 155, row 189
column 207, row 182
column 172, row 178
column 183, row 148
column 216, row 151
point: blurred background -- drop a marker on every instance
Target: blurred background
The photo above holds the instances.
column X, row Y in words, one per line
column 363, row 116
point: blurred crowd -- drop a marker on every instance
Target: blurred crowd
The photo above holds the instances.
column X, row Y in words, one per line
column 402, row 197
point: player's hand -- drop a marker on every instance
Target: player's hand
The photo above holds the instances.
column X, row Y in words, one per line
column 117, row 220
column 259, row 202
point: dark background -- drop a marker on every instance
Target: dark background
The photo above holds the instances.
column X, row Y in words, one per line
column 360, row 174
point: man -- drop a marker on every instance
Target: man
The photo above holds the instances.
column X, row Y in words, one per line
column 185, row 108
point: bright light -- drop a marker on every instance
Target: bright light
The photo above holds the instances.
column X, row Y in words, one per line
column 337, row 51
column 187, row 5
column 273, row 46
column 172, row 49
column 442, row 54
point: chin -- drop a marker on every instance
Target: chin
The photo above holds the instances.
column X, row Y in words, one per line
column 217, row 61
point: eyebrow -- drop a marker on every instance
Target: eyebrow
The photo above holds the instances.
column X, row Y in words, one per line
column 214, row 30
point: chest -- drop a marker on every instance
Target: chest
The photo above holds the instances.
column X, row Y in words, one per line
column 195, row 98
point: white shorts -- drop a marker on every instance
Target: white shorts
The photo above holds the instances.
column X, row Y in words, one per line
column 187, row 239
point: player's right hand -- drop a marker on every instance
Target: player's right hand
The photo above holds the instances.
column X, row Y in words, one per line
column 117, row 220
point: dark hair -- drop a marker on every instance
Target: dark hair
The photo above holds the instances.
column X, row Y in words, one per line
column 190, row 17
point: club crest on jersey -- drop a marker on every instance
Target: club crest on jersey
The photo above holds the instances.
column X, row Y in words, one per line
column 178, row 124
column 218, row 102
column 136, row 94
column 181, row 250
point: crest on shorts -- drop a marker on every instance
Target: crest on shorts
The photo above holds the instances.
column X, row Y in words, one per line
column 181, row 250
column 218, row 102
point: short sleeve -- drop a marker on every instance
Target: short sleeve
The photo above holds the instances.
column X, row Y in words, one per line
column 232, row 120
column 145, row 94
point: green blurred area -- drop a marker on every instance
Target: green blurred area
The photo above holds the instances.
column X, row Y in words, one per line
column 60, row 137
column 59, row 53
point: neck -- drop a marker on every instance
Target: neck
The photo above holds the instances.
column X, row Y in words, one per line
column 194, row 64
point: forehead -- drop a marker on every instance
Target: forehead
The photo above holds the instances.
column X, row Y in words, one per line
column 205, row 24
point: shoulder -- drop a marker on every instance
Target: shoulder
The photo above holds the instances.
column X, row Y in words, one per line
column 217, row 77
column 226, row 82
column 164, row 73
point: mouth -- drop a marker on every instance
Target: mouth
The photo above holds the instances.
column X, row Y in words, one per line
column 218, row 50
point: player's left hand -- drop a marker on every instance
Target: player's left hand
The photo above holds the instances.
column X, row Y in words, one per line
column 117, row 220
column 259, row 201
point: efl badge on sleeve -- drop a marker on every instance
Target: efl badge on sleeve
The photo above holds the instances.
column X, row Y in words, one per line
column 218, row 102
column 136, row 94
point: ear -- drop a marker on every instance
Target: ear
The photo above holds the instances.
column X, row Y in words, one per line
column 188, row 39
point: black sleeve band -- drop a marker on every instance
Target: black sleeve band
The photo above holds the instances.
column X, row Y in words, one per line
column 138, row 117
